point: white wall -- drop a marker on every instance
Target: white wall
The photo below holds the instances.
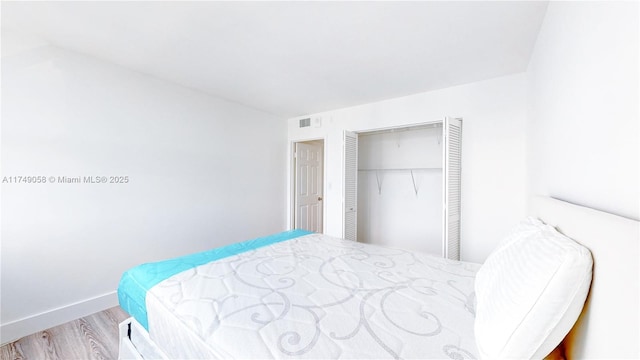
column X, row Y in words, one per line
column 390, row 210
column 202, row 172
column 493, row 152
column 583, row 121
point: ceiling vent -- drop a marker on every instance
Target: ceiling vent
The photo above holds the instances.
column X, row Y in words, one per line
column 305, row 122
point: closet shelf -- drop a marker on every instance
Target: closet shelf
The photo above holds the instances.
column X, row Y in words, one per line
column 403, row 169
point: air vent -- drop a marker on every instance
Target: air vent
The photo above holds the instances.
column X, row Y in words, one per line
column 305, row 122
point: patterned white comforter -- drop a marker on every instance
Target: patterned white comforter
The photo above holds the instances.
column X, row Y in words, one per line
column 317, row 297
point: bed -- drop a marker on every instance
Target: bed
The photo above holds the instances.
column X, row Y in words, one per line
column 303, row 295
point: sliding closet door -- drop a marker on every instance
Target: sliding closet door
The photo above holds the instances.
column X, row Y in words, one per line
column 452, row 154
column 350, row 216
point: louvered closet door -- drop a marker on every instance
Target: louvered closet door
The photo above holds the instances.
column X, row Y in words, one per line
column 452, row 131
column 350, row 217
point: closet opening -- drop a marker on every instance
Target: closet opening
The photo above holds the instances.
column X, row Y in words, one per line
column 402, row 187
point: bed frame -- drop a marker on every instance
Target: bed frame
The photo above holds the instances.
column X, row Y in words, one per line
column 609, row 324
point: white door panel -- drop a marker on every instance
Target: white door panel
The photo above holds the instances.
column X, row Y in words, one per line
column 350, row 216
column 452, row 157
column 309, row 185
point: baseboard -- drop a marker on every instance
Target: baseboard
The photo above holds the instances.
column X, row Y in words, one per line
column 14, row 330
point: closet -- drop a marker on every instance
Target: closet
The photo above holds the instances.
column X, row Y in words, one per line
column 402, row 187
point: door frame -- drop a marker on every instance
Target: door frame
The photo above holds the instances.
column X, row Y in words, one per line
column 291, row 219
column 402, row 127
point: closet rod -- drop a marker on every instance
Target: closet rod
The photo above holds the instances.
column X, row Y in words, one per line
column 403, row 169
column 411, row 170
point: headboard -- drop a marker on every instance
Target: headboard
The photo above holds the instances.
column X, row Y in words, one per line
column 609, row 326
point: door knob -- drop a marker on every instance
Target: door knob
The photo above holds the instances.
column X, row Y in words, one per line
column 319, row 198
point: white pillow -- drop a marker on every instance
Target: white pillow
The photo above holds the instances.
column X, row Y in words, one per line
column 530, row 291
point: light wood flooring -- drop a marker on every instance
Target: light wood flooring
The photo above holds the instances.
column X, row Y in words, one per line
column 91, row 337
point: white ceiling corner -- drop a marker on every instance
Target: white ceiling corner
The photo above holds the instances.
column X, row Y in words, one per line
column 294, row 58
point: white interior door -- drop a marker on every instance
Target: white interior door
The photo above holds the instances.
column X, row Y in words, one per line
column 309, row 186
column 350, row 218
column 452, row 154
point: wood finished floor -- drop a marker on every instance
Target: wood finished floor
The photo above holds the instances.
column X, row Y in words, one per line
column 91, row 337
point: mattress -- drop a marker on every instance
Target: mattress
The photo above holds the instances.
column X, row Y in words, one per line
column 309, row 296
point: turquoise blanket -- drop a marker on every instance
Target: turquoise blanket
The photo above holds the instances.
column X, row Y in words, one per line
column 134, row 284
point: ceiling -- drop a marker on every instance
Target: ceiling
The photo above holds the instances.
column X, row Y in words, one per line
column 295, row 58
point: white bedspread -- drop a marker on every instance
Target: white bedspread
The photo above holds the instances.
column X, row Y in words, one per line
column 317, row 297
